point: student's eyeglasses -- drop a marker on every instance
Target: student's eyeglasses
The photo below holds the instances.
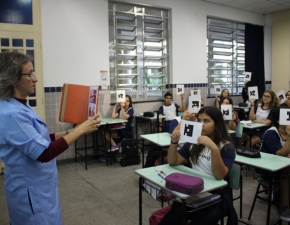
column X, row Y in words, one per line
column 266, row 96
column 31, row 75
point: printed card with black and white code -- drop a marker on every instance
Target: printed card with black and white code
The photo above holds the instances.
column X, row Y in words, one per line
column 253, row 92
column 281, row 95
column 190, row 131
column 120, row 96
column 194, row 103
column 248, row 76
column 195, row 92
column 179, row 89
column 227, row 112
column 218, row 89
column 284, row 117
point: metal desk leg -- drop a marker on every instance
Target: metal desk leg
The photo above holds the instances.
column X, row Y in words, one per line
column 143, row 149
column 136, row 126
column 183, row 212
column 241, row 196
column 86, row 160
column 269, row 198
column 140, row 200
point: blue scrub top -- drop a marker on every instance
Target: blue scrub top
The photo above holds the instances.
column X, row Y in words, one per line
column 31, row 187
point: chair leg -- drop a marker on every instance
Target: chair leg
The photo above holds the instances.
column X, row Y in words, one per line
column 254, row 201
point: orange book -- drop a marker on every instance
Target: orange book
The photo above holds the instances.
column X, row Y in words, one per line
column 78, row 103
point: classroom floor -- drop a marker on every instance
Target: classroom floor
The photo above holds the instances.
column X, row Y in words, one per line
column 105, row 195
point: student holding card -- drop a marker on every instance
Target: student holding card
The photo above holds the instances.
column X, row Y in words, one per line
column 122, row 110
column 28, row 150
column 287, row 101
column 175, row 124
column 169, row 110
column 225, row 101
column 262, row 114
column 212, row 154
column 276, row 140
column 225, row 93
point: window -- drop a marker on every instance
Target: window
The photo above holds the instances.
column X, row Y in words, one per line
column 226, row 55
column 139, row 61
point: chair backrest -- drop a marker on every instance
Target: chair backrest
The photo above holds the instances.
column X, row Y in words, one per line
column 234, row 176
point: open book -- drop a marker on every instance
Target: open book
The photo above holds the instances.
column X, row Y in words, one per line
column 78, row 103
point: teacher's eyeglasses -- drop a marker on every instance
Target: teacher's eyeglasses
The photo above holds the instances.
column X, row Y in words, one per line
column 31, row 75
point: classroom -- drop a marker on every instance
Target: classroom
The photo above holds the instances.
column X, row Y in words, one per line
column 74, row 41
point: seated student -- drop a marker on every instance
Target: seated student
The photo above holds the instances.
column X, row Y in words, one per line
column 225, row 93
column 123, row 110
column 276, row 140
column 262, row 114
column 174, row 124
column 287, row 101
column 169, row 110
column 225, row 101
column 213, row 155
column 244, row 112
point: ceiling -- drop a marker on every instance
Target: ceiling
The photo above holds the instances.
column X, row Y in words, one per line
column 256, row 6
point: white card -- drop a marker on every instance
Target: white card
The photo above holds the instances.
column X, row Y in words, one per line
column 190, row 131
column 179, row 89
column 218, row 89
column 194, row 92
column 194, row 103
column 281, row 95
column 120, row 96
column 284, row 117
column 253, row 92
column 227, row 112
column 248, row 76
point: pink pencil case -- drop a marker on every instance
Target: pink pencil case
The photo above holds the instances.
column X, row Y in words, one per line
column 184, row 183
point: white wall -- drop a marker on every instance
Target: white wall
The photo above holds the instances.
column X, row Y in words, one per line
column 75, row 38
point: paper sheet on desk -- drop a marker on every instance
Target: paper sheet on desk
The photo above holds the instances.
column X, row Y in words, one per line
column 246, row 121
column 152, row 189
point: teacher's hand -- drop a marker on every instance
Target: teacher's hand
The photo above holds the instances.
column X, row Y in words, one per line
column 89, row 125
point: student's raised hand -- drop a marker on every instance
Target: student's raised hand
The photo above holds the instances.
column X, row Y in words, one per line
column 188, row 116
column 175, row 136
column 89, row 125
column 205, row 140
column 252, row 101
column 182, row 96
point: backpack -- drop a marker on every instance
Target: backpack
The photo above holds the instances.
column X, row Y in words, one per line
column 130, row 153
column 154, row 157
column 157, row 216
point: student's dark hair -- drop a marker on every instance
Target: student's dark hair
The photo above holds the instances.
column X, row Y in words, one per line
column 221, row 132
column 130, row 99
column 228, row 98
column 276, row 115
column 167, row 94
